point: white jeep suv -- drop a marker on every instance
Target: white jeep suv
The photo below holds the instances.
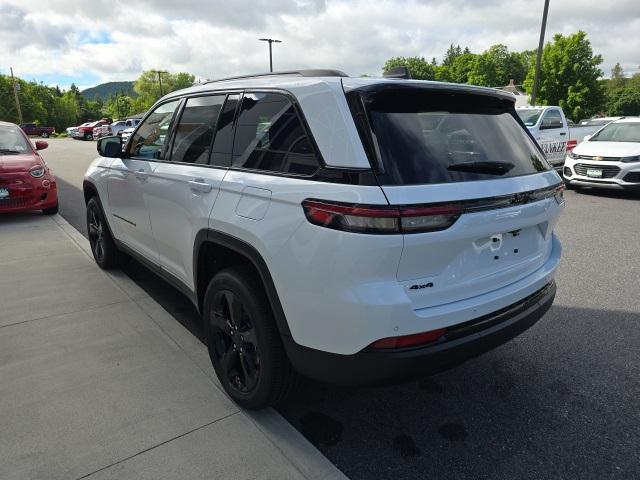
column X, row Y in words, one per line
column 356, row 231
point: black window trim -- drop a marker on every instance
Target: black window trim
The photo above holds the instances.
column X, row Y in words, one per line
column 347, row 175
column 182, row 106
column 305, row 127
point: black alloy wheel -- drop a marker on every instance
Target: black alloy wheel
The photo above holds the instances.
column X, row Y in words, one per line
column 243, row 341
column 95, row 226
column 234, row 343
column 103, row 247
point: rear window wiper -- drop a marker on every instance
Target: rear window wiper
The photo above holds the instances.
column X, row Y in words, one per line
column 494, row 168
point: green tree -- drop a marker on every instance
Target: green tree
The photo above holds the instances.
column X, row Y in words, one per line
column 451, row 54
column 462, row 66
column 618, row 79
column 569, row 76
column 147, row 85
column 119, row 106
column 420, row 68
column 496, row 66
column 623, row 101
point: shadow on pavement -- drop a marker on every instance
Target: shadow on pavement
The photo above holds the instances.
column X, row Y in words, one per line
column 541, row 406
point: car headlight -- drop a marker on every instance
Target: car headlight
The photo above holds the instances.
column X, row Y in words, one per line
column 635, row 158
column 37, row 172
column 572, row 155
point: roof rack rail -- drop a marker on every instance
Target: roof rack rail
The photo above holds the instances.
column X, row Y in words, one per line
column 318, row 72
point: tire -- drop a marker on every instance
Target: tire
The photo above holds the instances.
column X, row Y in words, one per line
column 243, row 340
column 51, row 211
column 104, row 250
column 88, row 136
column 44, row 135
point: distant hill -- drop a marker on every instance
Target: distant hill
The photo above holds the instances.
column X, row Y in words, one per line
column 104, row 90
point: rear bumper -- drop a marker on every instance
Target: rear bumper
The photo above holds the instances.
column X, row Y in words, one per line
column 460, row 343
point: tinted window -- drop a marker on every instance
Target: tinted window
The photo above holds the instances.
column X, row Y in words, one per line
column 427, row 137
column 552, row 119
column 270, row 136
column 151, row 139
column 195, row 130
column 223, row 142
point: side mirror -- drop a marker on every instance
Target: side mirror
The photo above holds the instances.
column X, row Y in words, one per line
column 586, row 138
column 110, row 147
column 41, row 144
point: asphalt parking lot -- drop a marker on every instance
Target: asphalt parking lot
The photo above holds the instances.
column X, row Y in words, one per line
column 560, row 401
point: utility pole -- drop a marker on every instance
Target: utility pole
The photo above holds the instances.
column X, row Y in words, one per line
column 270, row 40
column 160, row 72
column 15, row 94
column 536, row 79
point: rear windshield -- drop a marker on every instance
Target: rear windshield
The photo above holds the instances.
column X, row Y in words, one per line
column 426, row 137
column 618, row 132
column 529, row 116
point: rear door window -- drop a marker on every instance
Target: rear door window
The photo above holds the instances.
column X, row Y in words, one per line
column 270, row 136
column 194, row 132
column 426, row 137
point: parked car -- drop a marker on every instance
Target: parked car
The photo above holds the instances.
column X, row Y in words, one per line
column 26, row 183
column 597, row 122
column 85, row 131
column 553, row 132
column 109, row 129
column 610, row 158
column 31, row 129
column 325, row 225
column 126, row 132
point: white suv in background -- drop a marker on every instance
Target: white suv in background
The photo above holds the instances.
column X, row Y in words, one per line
column 357, row 231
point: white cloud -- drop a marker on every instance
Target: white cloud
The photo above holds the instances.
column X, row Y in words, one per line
column 216, row 38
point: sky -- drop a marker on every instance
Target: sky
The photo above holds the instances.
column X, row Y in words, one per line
column 95, row 41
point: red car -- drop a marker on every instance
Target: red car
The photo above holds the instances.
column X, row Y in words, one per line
column 25, row 180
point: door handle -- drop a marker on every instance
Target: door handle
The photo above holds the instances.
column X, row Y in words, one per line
column 199, row 185
column 141, row 175
column 563, row 133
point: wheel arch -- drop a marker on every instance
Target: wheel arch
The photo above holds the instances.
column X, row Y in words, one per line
column 214, row 250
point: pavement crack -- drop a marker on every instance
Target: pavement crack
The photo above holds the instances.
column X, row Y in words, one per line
column 156, row 446
column 60, row 314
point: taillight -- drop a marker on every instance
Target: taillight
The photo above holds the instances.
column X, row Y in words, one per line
column 409, row 340
column 380, row 219
column 571, row 144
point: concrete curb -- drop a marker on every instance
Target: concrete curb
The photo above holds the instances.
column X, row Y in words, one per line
column 291, row 443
